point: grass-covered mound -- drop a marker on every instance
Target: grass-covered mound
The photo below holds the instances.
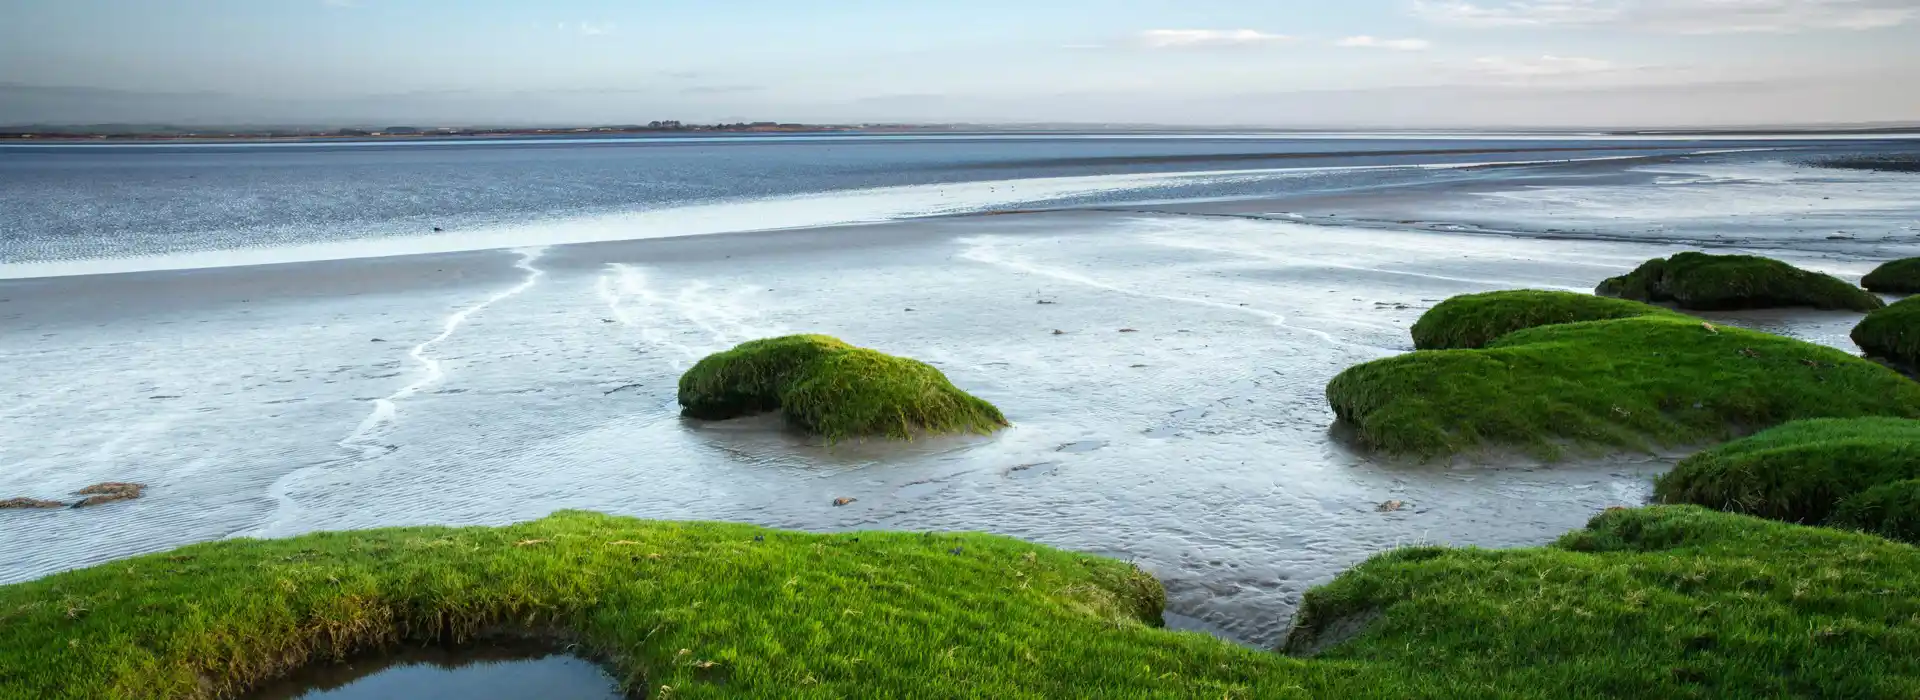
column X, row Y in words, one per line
column 760, row 613
column 1473, row 320
column 1632, row 383
column 1665, row 602
column 1892, row 333
column 1800, row 472
column 1897, row 277
column 830, row 388
column 1889, row 510
column 749, row 378
column 1688, row 602
column 1718, row 282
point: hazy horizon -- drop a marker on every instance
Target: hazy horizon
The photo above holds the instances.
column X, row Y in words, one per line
column 1285, row 64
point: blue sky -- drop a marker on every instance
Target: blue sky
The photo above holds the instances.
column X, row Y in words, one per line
column 1280, row 62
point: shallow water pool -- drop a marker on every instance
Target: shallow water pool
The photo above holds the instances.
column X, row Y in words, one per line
column 488, row 672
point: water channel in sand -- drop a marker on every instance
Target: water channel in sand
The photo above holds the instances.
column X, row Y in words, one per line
column 491, row 387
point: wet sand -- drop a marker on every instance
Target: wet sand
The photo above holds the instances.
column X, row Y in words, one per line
column 1701, row 202
column 491, row 387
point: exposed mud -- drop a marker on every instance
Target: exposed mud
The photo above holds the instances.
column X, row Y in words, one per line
column 513, row 384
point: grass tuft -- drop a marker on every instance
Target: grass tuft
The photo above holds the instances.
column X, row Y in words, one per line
column 1719, row 282
column 1889, row 510
column 1662, row 602
column 829, row 388
column 1803, row 472
column 1625, row 383
column 1896, row 277
column 1892, row 333
column 1473, row 320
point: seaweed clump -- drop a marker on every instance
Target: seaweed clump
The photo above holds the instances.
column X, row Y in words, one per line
column 1724, row 282
column 27, row 503
column 829, row 388
column 1890, row 163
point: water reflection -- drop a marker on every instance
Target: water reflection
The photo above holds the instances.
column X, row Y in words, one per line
column 484, row 672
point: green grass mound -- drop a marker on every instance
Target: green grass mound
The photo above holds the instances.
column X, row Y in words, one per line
column 862, row 392
column 1798, row 472
column 1627, row 383
column 1688, row 603
column 776, row 614
column 1473, row 320
column 749, row 378
column 1718, row 282
column 1892, row 333
column 1665, row 602
column 1888, row 510
column 830, row 388
column 1897, row 277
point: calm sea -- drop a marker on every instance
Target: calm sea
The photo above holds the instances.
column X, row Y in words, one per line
column 73, row 203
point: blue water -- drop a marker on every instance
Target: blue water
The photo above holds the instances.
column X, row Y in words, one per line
column 104, row 201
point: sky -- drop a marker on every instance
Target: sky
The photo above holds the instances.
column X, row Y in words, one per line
column 1284, row 63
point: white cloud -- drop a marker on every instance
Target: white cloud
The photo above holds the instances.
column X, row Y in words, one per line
column 1204, row 38
column 1677, row 16
column 1543, row 66
column 1370, row 42
column 586, row 28
column 1518, row 12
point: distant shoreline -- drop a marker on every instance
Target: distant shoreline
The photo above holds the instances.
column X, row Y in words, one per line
column 167, row 133
column 70, row 134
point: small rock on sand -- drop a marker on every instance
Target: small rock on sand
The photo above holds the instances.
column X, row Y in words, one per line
column 109, row 492
column 21, row 503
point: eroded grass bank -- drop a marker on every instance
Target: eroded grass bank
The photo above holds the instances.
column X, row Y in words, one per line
column 1660, row 602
